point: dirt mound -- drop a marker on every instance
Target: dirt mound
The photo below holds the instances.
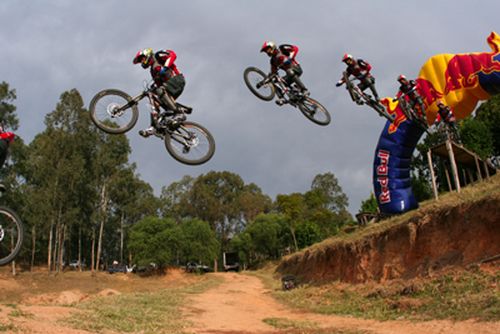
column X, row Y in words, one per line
column 428, row 240
column 63, row 298
column 108, row 292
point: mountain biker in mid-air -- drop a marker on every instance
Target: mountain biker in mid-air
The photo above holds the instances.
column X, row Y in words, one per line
column 445, row 115
column 5, row 139
column 409, row 88
column 169, row 83
column 360, row 69
column 283, row 57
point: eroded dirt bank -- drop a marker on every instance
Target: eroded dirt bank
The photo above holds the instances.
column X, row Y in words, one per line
column 428, row 241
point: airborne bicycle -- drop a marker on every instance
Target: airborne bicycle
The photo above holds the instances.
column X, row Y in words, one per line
column 360, row 97
column 11, row 234
column 116, row 112
column 266, row 87
column 410, row 112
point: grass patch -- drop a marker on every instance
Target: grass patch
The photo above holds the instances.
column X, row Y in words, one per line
column 283, row 323
column 17, row 313
column 8, row 328
column 456, row 295
column 146, row 312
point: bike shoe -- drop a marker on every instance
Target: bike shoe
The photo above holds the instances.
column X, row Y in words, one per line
column 147, row 132
column 280, row 102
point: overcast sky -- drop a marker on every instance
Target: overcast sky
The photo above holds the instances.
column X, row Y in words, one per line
column 51, row 46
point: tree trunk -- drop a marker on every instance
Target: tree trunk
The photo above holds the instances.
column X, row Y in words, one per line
column 92, row 255
column 57, row 241
column 122, row 233
column 49, row 251
column 60, row 255
column 292, row 230
column 80, row 248
column 33, row 246
column 103, row 210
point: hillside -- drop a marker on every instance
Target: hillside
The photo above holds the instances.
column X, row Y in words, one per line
column 457, row 230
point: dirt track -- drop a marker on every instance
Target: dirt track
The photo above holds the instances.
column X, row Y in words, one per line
column 238, row 305
column 241, row 303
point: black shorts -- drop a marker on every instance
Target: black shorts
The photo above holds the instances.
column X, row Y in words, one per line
column 175, row 86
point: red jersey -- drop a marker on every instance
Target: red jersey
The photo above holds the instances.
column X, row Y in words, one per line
column 284, row 57
column 359, row 69
column 164, row 67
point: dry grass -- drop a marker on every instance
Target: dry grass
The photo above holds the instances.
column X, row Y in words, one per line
column 455, row 294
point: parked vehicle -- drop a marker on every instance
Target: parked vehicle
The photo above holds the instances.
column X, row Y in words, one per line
column 75, row 264
column 193, row 267
column 231, row 261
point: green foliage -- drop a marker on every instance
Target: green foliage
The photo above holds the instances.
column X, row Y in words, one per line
column 199, row 242
column 307, row 233
column 7, row 110
column 175, row 198
column 220, row 198
column 369, row 205
column 329, row 188
column 421, row 188
column 476, row 136
column 489, row 114
column 154, row 240
column 163, row 241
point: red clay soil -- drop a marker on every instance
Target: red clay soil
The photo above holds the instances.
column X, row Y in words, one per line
column 427, row 242
column 241, row 303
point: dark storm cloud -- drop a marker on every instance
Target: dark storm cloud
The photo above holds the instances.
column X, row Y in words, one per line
column 52, row 46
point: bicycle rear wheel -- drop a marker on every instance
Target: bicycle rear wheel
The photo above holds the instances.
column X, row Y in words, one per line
column 314, row 111
column 190, row 144
column 253, row 76
column 106, row 114
column 11, row 235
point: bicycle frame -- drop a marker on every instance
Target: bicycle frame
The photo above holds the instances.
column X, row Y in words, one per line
column 355, row 92
column 288, row 92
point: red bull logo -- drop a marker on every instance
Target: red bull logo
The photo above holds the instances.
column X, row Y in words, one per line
column 462, row 70
column 427, row 91
column 382, row 177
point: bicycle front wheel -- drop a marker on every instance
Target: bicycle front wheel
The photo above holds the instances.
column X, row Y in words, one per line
column 253, row 79
column 314, row 111
column 11, row 235
column 113, row 111
column 190, row 144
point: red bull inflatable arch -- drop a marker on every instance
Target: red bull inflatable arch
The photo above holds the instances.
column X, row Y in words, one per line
column 461, row 81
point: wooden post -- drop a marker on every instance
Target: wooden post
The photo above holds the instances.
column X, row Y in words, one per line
column 465, row 177
column 433, row 177
column 479, row 176
column 450, row 188
column 453, row 164
column 486, row 169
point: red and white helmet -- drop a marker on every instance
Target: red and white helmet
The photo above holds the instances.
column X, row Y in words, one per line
column 144, row 57
column 268, row 45
column 347, row 57
column 401, row 78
